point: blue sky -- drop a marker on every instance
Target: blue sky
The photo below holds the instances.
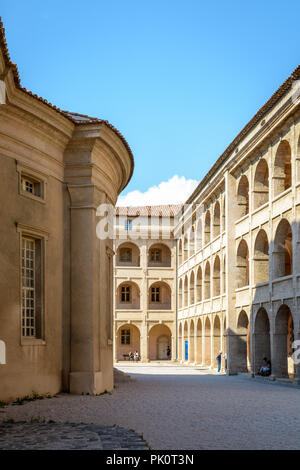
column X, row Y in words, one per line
column 178, row 78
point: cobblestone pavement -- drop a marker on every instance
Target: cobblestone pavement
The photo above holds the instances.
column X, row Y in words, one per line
column 183, row 408
column 65, row 436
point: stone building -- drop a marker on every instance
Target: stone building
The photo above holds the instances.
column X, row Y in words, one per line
column 239, row 247
column 55, row 274
column 145, row 283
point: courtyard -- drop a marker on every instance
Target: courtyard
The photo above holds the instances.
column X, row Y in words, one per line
column 172, row 407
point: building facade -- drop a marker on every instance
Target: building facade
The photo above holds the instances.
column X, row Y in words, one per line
column 55, row 273
column 145, row 283
column 239, row 247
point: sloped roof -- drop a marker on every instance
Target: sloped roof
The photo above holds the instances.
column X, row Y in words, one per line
column 166, row 210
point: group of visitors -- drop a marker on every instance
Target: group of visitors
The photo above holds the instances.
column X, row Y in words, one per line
column 134, row 356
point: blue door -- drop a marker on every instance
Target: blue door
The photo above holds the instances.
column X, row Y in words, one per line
column 186, row 350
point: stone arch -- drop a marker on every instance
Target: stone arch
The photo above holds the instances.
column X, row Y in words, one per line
column 128, row 296
column 199, row 235
column 216, row 220
column 128, row 340
column 179, row 254
column 243, row 196
column 283, row 250
column 199, row 341
column 262, row 347
column 185, row 247
column 159, row 296
column 224, row 274
column 283, row 365
column 160, row 338
column 185, row 342
column 128, row 254
column 242, row 265
column 207, row 281
column 243, row 345
column 217, row 277
column 186, row 291
column 207, row 342
column 282, row 176
column 216, row 338
column 261, row 257
column 191, row 342
column 261, row 184
column 192, row 240
column 180, row 294
column 192, row 288
column 199, row 285
column 207, row 228
column 180, row 342
column 159, row 255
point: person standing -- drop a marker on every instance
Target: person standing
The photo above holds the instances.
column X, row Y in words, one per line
column 219, row 359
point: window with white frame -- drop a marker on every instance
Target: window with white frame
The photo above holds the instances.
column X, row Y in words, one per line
column 128, row 224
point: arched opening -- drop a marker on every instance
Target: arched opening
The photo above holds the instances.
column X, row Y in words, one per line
column 159, row 255
column 186, row 292
column 180, row 342
column 185, row 343
column 224, row 214
column 216, row 220
column 199, row 285
column 199, row 235
column 191, row 342
column 243, row 196
column 207, row 342
column 207, row 281
column 261, row 184
column 242, row 265
column 216, row 277
column 216, row 338
column 159, row 296
column 180, row 294
column 282, row 168
column 179, row 254
column 199, row 341
column 128, row 340
column 283, row 250
column 185, row 248
column 192, row 288
column 192, row 241
column 261, row 258
column 159, row 342
column 284, row 337
column 128, row 254
column 224, row 275
column 207, row 228
column 243, row 344
column 128, row 296
column 261, row 339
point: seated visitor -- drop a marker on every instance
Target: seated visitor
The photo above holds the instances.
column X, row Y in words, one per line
column 265, row 369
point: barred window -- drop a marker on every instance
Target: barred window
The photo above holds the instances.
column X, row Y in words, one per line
column 125, row 336
column 155, row 255
column 155, row 294
column 28, row 287
column 125, row 294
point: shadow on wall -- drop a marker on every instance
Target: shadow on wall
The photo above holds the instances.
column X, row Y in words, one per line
column 270, row 326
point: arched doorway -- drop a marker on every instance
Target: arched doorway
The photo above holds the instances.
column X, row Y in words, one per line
column 262, row 346
column 191, row 342
column 128, row 340
column 185, row 352
column 216, row 338
column 199, row 342
column 243, row 352
column 159, row 341
column 207, row 342
column 284, row 337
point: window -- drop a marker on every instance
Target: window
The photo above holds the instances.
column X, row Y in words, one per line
column 31, row 288
column 31, row 186
column 155, row 255
column 125, row 254
column 125, row 336
column 125, row 294
column 155, row 294
column 128, row 224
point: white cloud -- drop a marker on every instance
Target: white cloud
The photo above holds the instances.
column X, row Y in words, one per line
column 174, row 191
